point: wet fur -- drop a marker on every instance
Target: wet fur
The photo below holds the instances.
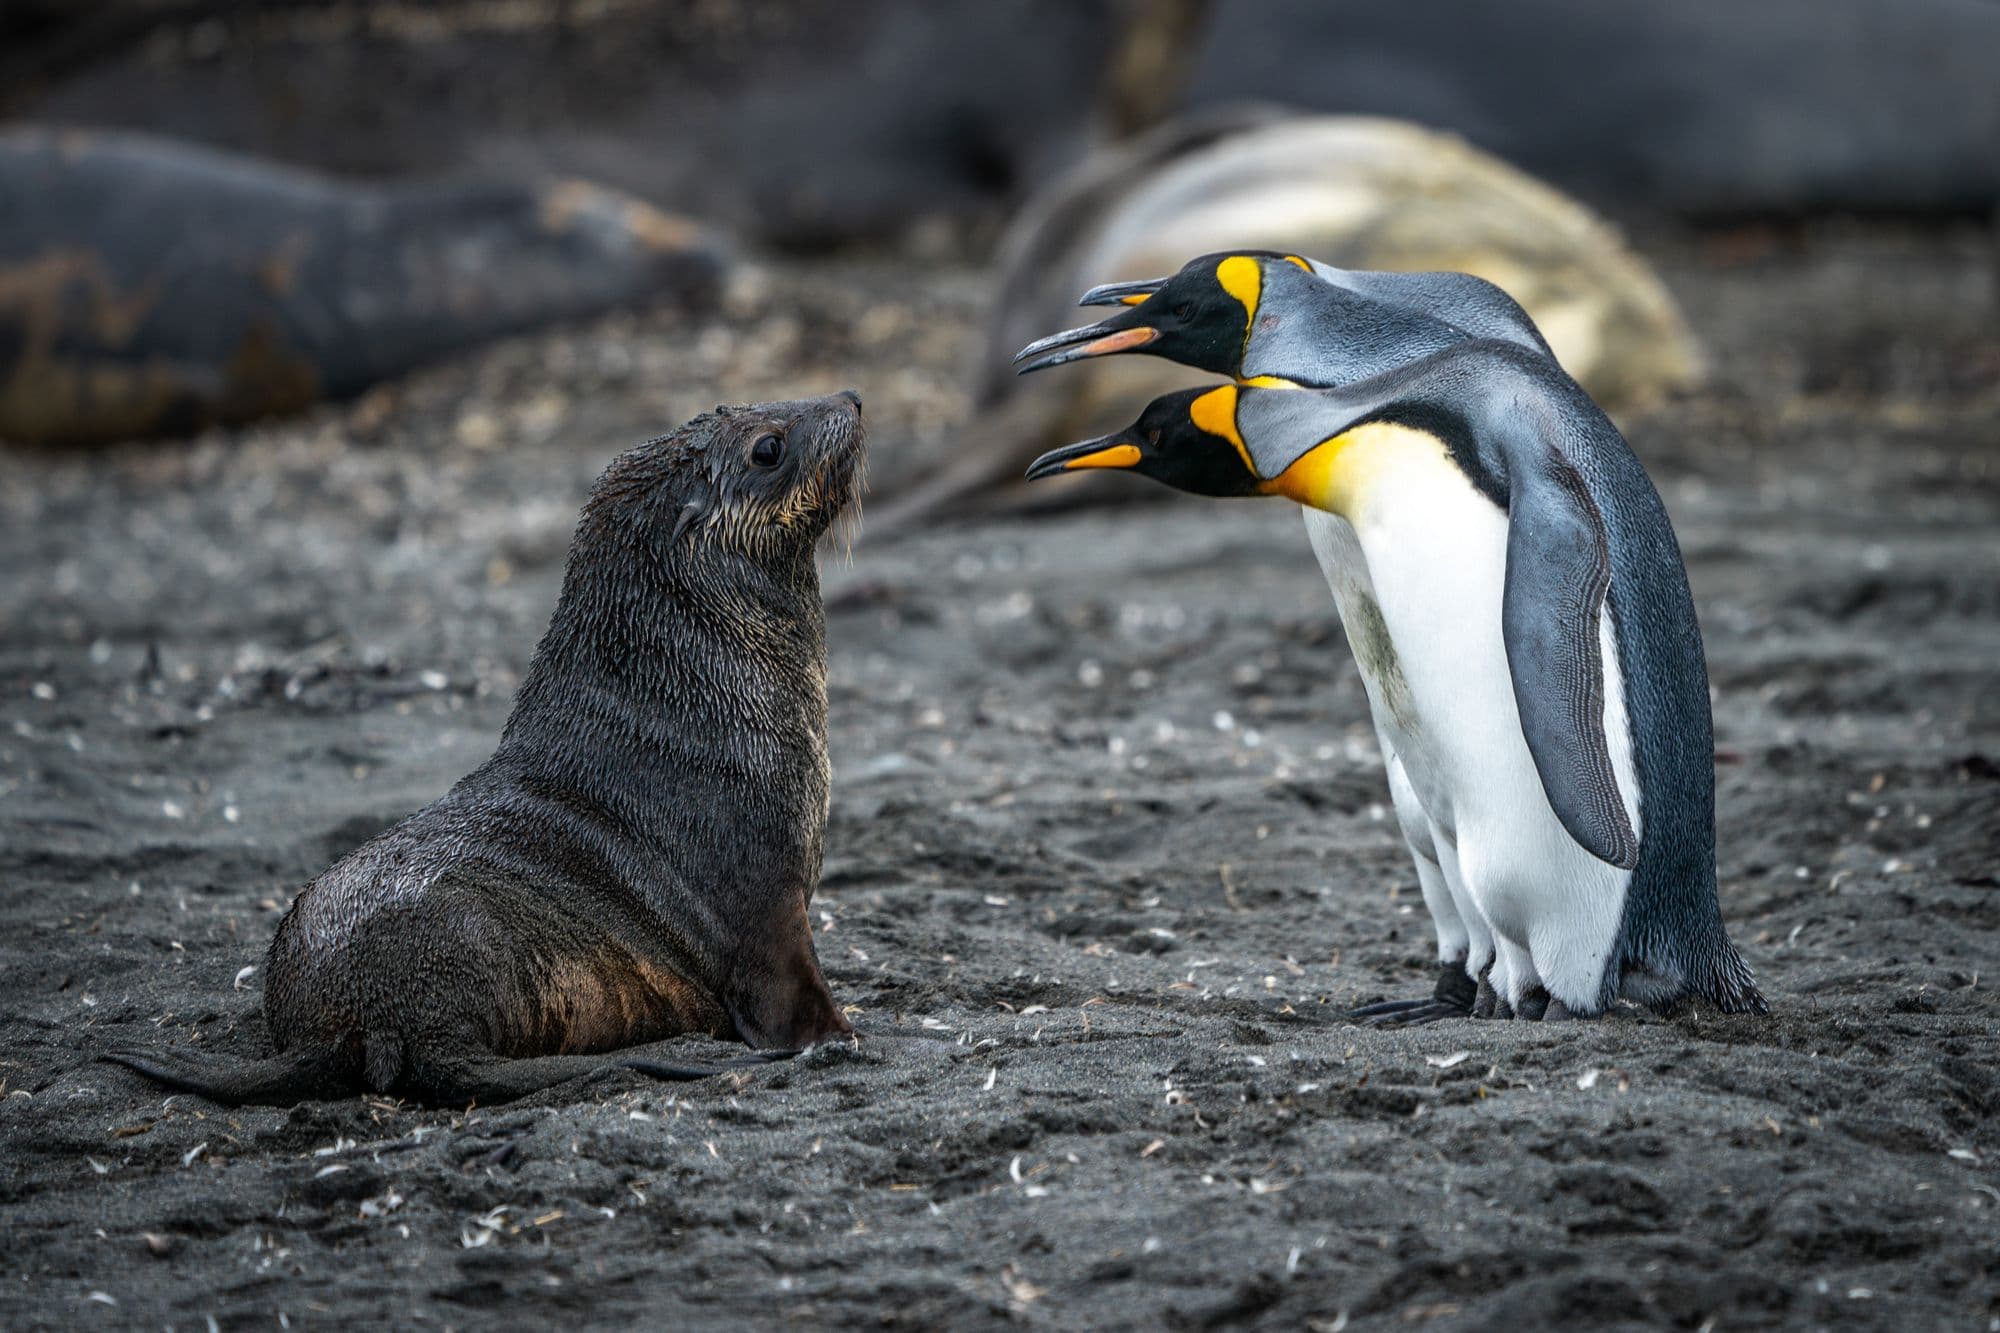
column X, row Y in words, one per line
column 635, row 860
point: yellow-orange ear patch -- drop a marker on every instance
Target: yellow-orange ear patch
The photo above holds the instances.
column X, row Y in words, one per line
column 1302, row 263
column 1242, row 279
column 1215, row 413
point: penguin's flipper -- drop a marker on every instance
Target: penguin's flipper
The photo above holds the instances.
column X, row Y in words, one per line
column 1558, row 571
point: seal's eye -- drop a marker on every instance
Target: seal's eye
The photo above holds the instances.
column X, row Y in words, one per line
column 767, row 451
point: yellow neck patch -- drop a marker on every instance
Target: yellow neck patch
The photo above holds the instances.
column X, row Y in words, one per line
column 1215, row 412
column 1242, row 279
column 1336, row 474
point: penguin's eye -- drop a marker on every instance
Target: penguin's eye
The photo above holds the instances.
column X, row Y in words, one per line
column 1184, row 310
column 767, row 451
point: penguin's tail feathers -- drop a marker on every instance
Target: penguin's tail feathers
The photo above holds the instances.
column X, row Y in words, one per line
column 280, row 1080
column 1716, row 973
column 1729, row 984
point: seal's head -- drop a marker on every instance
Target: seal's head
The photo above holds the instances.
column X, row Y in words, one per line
column 764, row 481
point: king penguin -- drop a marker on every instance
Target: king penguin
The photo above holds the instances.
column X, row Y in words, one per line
column 1514, row 595
column 1278, row 321
column 1284, row 321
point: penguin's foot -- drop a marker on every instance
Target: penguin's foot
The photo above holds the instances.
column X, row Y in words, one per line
column 1485, row 999
column 1538, row 1006
column 1451, row 999
column 1412, row 1013
column 1455, row 986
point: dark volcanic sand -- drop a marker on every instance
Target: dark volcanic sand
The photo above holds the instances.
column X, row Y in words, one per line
column 1108, row 857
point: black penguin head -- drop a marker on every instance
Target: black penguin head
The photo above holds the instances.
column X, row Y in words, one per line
column 765, row 480
column 1200, row 317
column 1187, row 440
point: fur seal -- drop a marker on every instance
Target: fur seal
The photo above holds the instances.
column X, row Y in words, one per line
column 635, row 860
column 154, row 288
column 1358, row 192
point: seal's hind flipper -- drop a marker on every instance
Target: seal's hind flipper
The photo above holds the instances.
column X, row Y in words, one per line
column 688, row 1073
column 284, row 1080
column 502, row 1080
column 280, row 1080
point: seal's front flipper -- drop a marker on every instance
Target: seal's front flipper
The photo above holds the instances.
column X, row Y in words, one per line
column 776, row 995
column 281, row 1080
column 1558, row 572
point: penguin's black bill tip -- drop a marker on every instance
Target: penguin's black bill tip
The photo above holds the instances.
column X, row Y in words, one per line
column 1112, row 451
column 1122, row 293
column 1079, row 344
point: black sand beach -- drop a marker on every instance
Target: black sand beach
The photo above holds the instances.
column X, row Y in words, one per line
column 1109, row 859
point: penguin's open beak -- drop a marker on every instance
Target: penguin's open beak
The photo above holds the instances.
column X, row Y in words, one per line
column 1122, row 293
column 1109, row 451
column 1100, row 339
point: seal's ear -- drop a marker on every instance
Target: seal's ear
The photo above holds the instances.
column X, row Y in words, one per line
column 776, row 995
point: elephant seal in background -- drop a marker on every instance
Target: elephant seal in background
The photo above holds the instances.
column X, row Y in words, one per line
column 149, row 287
column 636, row 859
column 1353, row 191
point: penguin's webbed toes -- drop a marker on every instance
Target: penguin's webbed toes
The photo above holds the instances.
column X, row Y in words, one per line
column 1455, row 986
column 1412, row 1013
column 1385, row 1009
column 1452, row 999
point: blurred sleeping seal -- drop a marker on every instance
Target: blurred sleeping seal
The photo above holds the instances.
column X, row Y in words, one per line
column 635, row 860
column 149, row 287
column 1358, row 192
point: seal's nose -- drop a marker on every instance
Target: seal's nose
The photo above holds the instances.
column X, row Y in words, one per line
column 851, row 396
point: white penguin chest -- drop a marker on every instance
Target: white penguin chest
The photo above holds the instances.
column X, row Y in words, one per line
column 1416, row 559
